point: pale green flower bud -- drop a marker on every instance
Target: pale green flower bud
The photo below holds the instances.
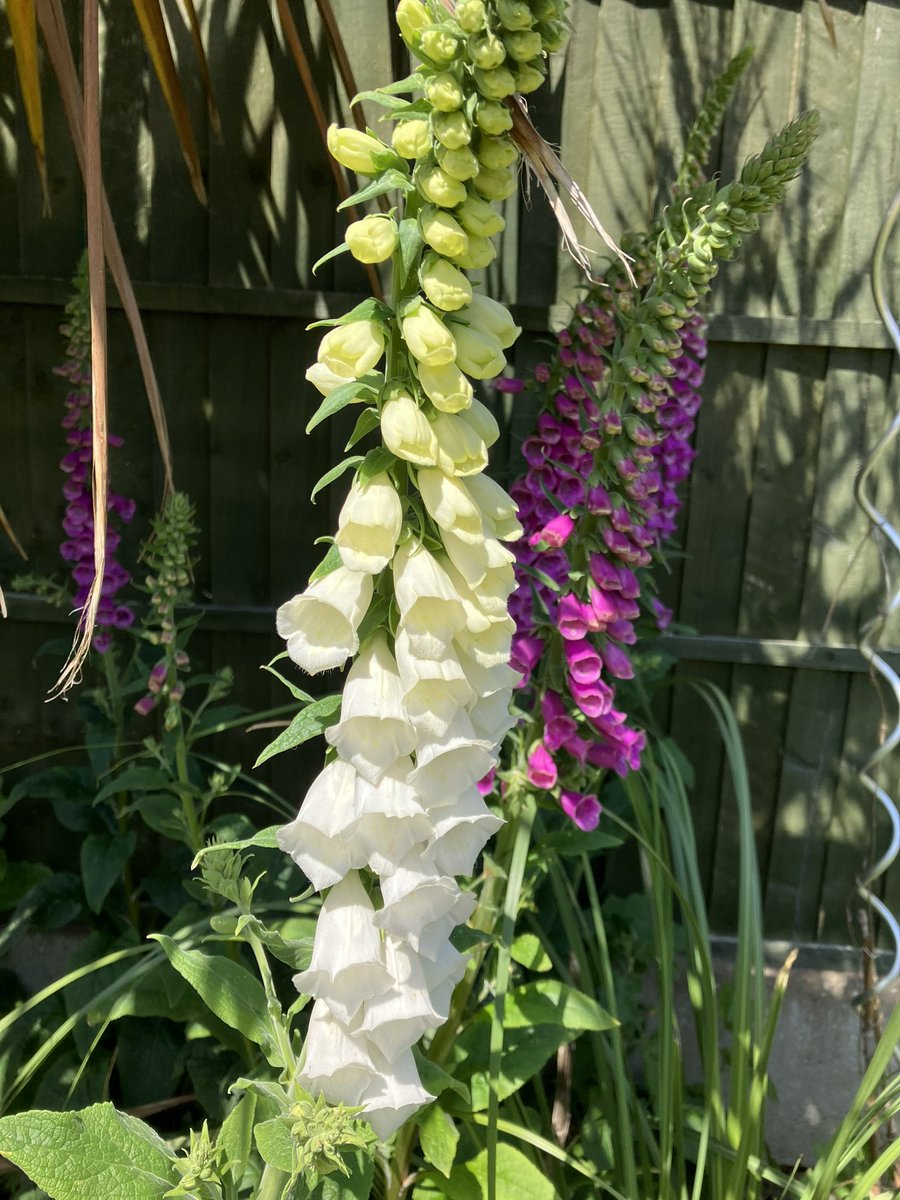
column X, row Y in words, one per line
column 352, row 349
column 546, row 10
column 491, row 317
column 481, row 253
column 479, row 354
column 486, row 50
column 496, row 84
column 446, row 387
column 412, row 139
column 482, row 421
column 497, row 153
column 478, row 217
column 438, row 187
column 445, row 286
column 461, row 450
column 554, row 36
column 528, row 79
column 445, row 92
column 441, row 47
column 494, row 185
column 359, row 152
column 492, row 118
column 412, row 18
column 523, row 45
column 428, row 339
column 514, row 14
column 471, row 15
column 406, row 432
column 458, row 164
column 372, row 239
column 442, row 232
column 451, row 129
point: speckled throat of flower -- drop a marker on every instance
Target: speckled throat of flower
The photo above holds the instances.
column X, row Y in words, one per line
column 415, row 587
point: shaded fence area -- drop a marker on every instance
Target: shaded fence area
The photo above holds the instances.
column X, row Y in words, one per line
column 776, row 568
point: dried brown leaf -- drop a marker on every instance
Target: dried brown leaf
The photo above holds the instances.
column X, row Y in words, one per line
column 23, row 27
column 212, row 108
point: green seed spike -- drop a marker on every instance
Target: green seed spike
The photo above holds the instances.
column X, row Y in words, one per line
column 707, row 123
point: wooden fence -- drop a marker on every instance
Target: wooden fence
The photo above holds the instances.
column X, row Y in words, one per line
column 777, row 569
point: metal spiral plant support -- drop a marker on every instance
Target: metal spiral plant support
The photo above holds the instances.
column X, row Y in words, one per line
column 871, row 631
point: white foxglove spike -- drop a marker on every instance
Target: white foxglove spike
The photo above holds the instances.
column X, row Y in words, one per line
column 395, row 1021
column 373, row 731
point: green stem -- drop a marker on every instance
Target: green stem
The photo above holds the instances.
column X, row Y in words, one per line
column 271, row 1186
column 114, row 691
column 276, row 1013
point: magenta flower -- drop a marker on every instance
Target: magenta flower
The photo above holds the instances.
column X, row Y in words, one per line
column 541, row 772
column 555, row 533
column 583, row 809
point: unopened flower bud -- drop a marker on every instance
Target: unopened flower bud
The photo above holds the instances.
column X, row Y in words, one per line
column 482, row 421
column 486, row 50
column 494, row 185
column 451, row 129
column 554, row 36
column 479, row 354
column 352, row 349
column 442, row 232
column 412, row 139
column 528, row 79
column 492, row 117
column 407, row 432
column 440, row 46
column 428, row 338
column 471, row 15
column 412, row 18
column 445, row 286
column 458, row 164
column 359, row 152
column 446, row 387
column 546, row 10
column 437, row 186
column 478, row 217
column 491, row 317
column 522, row 45
column 497, row 153
column 445, row 92
column 495, row 84
column 372, row 239
column 514, row 14
column 481, row 253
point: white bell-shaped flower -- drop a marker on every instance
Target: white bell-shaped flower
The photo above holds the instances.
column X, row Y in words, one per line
column 335, row 1064
column 369, row 524
column 450, row 504
column 461, row 450
column 347, row 965
column 394, row 1093
column 446, row 766
column 418, row 900
column 491, row 648
column 442, row 974
column 435, row 689
column 373, row 731
column 477, row 619
column 460, row 832
column 391, row 819
column 487, row 681
column 430, row 609
column 320, row 624
column 431, row 941
column 496, row 505
column 491, row 718
column 396, row 1020
column 327, row 380
column 318, row 838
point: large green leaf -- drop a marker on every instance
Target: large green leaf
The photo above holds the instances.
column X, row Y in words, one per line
column 95, row 1154
column 439, row 1138
column 517, row 1178
column 552, row 1002
column 306, row 725
column 103, row 858
column 526, row 1051
column 227, row 988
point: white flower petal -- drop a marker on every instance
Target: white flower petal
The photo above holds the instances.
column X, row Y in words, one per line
column 394, row 1094
column 486, row 681
column 317, row 839
column 491, row 648
column 491, row 718
column 369, row 524
column 320, row 624
column 395, row 1021
column 450, row 504
column 460, row 832
column 430, row 608
column 335, row 1064
column 373, row 731
column 435, row 689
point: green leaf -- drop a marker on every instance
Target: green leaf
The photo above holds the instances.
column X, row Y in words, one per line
column 227, row 988
column 236, row 1136
column 439, row 1139
column 377, row 460
column 528, row 951
column 275, row 1145
column 365, row 423
column 340, row 398
column 369, row 309
column 341, row 249
column 297, row 692
column 134, row 779
column 103, row 858
column 95, row 1154
column 388, row 181
column 436, row 1080
column 571, row 841
column 552, row 1002
column 160, row 811
column 17, row 879
column 265, row 839
column 398, row 88
column 306, row 725
column 329, row 563
column 517, row 1178
column 411, row 243
column 335, row 473
column 358, row 1187
column 526, row 1051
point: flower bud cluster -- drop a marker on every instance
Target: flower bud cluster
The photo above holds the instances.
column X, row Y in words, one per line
column 418, row 582
column 76, row 464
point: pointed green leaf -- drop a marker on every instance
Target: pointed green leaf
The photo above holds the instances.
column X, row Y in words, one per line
column 236, row 1136
column 103, row 858
column 320, row 262
column 387, row 181
column 370, row 309
column 274, row 1143
column 329, row 563
column 365, row 423
column 439, row 1138
column 399, row 87
column 340, row 398
column 134, row 779
column 335, row 473
column 528, row 951
column 411, row 243
column 377, row 460
column 306, row 725
column 517, row 1177
column 266, row 839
